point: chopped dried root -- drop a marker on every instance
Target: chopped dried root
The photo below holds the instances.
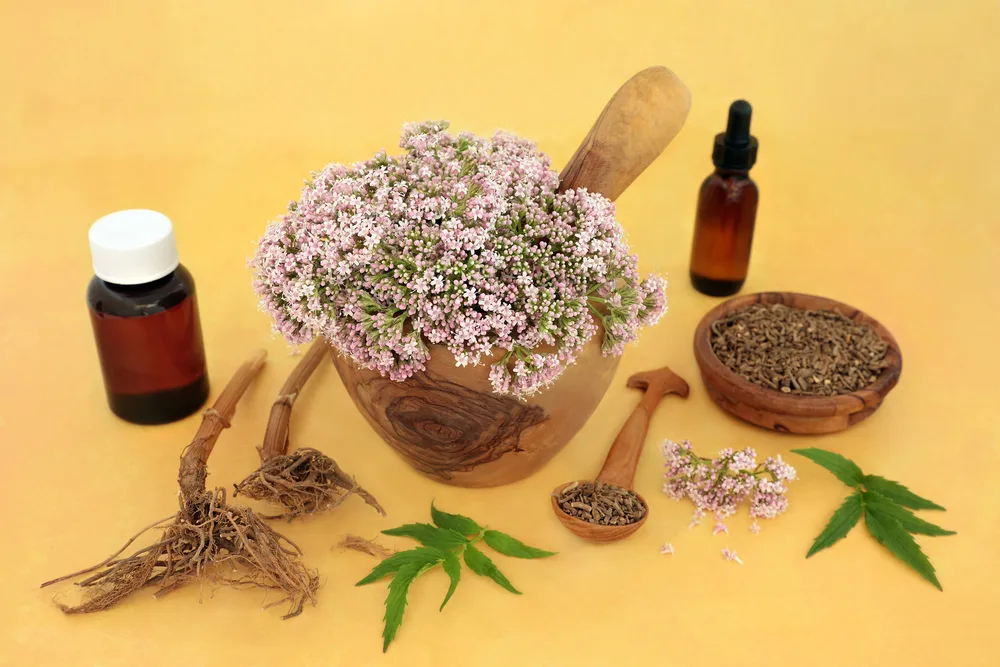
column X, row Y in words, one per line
column 303, row 482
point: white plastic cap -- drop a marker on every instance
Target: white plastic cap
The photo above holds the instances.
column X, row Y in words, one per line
column 132, row 247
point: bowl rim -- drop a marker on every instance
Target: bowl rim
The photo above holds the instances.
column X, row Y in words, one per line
column 731, row 385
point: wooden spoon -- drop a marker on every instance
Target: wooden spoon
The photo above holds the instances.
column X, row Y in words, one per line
column 638, row 122
column 623, row 459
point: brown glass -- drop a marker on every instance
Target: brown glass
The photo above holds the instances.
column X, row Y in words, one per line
column 150, row 346
column 723, row 232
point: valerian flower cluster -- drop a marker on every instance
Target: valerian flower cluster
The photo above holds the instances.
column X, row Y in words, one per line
column 720, row 485
column 460, row 241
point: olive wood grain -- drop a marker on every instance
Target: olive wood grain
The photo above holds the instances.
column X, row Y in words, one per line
column 642, row 117
column 790, row 413
column 447, row 423
column 623, row 457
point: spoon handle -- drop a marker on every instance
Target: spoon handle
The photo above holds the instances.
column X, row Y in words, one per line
column 623, row 459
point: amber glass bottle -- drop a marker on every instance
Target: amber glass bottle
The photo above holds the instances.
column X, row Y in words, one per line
column 145, row 319
column 727, row 209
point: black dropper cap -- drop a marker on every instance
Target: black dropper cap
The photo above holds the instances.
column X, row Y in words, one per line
column 736, row 148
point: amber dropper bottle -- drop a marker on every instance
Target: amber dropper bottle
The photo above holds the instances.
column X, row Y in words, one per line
column 727, row 208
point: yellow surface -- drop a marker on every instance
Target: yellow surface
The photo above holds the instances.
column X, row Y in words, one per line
column 879, row 181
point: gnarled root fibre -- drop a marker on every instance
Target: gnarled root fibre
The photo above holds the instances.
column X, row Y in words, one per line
column 306, row 481
column 208, row 540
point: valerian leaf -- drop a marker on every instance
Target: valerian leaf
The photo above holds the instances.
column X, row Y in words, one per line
column 428, row 535
column 890, row 533
column 840, row 523
column 442, row 544
column 898, row 493
column 846, row 470
column 907, row 519
column 392, row 564
column 460, row 524
column 509, row 546
column 395, row 601
column 481, row 564
column 454, row 570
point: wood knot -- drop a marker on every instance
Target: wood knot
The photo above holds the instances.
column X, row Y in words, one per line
column 442, row 427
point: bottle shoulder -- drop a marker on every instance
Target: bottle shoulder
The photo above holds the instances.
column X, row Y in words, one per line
column 138, row 300
column 728, row 185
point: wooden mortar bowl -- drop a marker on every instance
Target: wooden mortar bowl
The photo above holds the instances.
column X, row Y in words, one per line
column 791, row 413
column 448, row 424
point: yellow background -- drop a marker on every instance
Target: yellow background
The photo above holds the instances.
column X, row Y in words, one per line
column 879, row 187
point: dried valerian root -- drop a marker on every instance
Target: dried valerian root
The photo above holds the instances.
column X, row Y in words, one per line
column 600, row 503
column 305, row 481
column 365, row 546
column 208, row 539
column 795, row 351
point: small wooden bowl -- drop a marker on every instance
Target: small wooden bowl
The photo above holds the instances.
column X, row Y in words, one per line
column 791, row 413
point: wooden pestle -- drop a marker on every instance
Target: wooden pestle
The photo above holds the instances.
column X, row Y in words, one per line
column 642, row 117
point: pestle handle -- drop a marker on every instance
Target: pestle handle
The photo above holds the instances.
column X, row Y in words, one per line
column 642, row 117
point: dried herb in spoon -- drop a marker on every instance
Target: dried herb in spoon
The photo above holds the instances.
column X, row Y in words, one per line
column 600, row 503
column 796, row 351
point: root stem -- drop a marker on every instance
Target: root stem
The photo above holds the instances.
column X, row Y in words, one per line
column 305, row 481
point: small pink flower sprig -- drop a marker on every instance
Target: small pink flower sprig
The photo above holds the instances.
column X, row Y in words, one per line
column 720, row 485
column 460, row 241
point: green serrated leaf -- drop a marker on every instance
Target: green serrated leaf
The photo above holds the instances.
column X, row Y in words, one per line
column 392, row 564
column 481, row 564
column 907, row 519
column 840, row 523
column 431, row 536
column 890, row 533
column 509, row 546
column 460, row 524
column 846, row 470
column 898, row 493
column 395, row 601
column 454, row 570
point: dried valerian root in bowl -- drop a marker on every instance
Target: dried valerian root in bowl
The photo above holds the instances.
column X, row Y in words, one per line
column 796, row 351
column 600, row 503
column 208, row 539
column 305, row 481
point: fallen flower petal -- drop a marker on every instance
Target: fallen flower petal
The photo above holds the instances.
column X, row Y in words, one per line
column 720, row 528
column 731, row 555
column 755, row 528
column 667, row 548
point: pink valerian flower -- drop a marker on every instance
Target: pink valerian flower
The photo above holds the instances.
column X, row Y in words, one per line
column 720, row 485
column 755, row 528
column 460, row 241
column 667, row 549
column 731, row 555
